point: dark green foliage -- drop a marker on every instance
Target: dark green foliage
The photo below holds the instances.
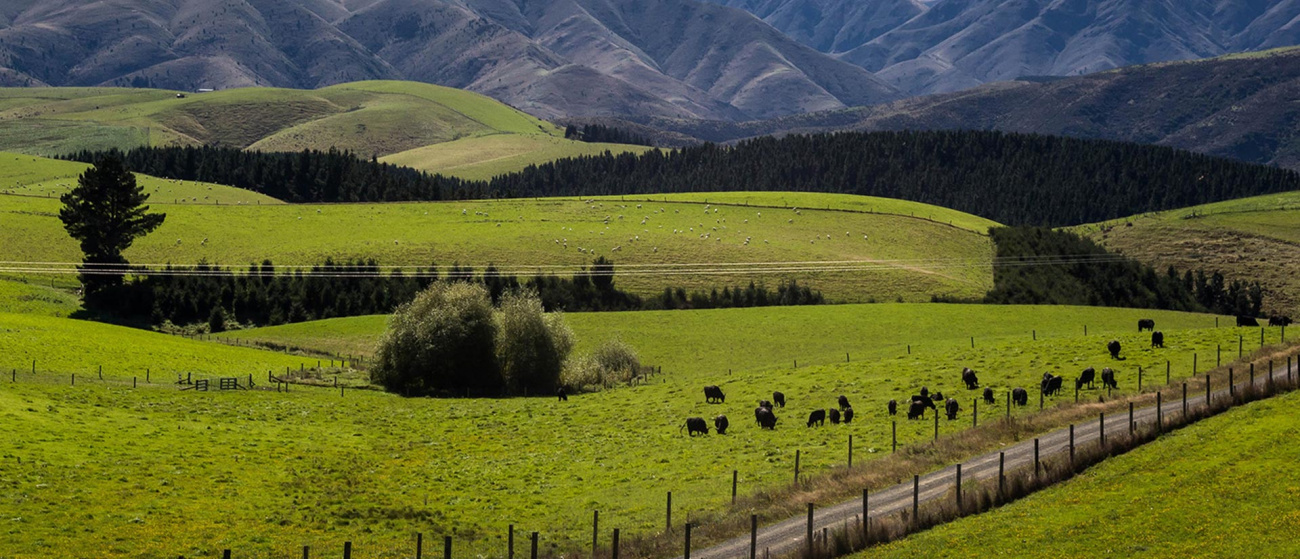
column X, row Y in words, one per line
column 599, row 133
column 441, row 343
column 1036, row 266
column 1016, row 179
column 105, row 212
column 217, row 320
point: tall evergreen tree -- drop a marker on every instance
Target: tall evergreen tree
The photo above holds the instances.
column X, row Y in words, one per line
column 106, row 212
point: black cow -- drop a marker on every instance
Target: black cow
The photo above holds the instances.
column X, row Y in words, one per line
column 564, row 396
column 1086, row 377
column 720, row 423
column 765, row 404
column 937, row 396
column 1020, row 396
column 1108, row 378
column 817, row 417
column 835, row 416
column 695, row 425
column 917, row 409
column 713, row 394
column 766, row 419
column 1146, row 324
column 848, row 415
column 1157, row 339
column 1113, row 347
column 1051, row 385
column 1247, row 321
column 988, row 396
column 952, row 407
column 925, row 392
column 779, row 398
column 1279, row 321
column 893, row 407
column 970, row 378
column 844, row 402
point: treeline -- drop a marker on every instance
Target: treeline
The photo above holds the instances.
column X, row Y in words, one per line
column 302, row 177
column 1036, row 266
column 600, row 133
column 1015, row 179
column 266, row 295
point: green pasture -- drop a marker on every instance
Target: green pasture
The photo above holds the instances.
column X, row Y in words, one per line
column 1225, row 487
column 42, row 299
column 484, row 157
column 25, row 176
column 854, row 256
column 1252, row 239
column 265, row 472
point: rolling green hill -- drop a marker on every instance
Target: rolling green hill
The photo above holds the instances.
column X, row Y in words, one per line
column 376, row 118
column 26, row 176
column 484, row 157
column 215, row 470
column 1223, row 487
column 678, row 240
column 1253, row 239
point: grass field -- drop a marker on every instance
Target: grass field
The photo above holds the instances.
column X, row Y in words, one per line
column 376, row 118
column 30, row 176
column 263, row 472
column 1225, row 487
column 1248, row 239
column 484, row 157
column 37, row 299
column 688, row 244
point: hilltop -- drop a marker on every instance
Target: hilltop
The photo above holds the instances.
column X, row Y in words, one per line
column 421, row 125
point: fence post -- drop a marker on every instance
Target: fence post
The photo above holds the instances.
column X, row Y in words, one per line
column 936, row 425
column 1252, row 376
column 534, row 552
column 753, row 536
column 1036, row 468
column 735, row 477
column 1002, row 463
column 347, row 550
column 1232, row 386
column 1184, row 401
column 796, row 466
column 1218, row 355
column 225, row 554
column 613, row 550
column 1071, row 444
column 1207, row 391
column 669, row 521
column 916, row 498
column 595, row 531
column 510, row 542
column 975, row 412
column 1131, row 425
column 810, row 531
column 958, row 488
column 1160, row 413
column 1240, row 345
column 306, row 552
column 1101, row 422
column 1139, row 379
column 74, row 379
column 866, row 511
column 850, row 451
column 446, row 547
column 1040, row 398
column 895, row 436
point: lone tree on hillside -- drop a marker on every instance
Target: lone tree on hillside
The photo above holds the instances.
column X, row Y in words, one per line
column 106, row 213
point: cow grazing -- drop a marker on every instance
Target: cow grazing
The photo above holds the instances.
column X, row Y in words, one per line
column 817, row 417
column 1020, row 396
column 563, row 396
column 766, row 419
column 917, row 409
column 970, row 378
column 714, row 395
column 1247, row 321
column 937, row 396
column 1108, row 378
column 844, row 402
column 952, row 407
column 1086, row 377
column 1113, row 347
column 1279, row 321
column 893, row 407
column 988, row 396
column 765, row 404
column 1146, row 324
column 695, row 425
column 834, row 415
column 1051, row 385
column 720, row 424
column 1158, row 339
column 779, row 398
column 848, row 415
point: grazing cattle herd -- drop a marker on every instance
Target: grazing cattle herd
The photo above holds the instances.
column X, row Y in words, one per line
column 1049, row 386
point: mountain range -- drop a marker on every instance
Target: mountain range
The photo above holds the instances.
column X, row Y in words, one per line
column 733, row 60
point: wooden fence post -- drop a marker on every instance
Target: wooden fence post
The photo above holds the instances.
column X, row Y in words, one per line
column 225, row 554
column 534, row 552
column 1036, row 468
column 1101, row 426
column 753, row 536
column 895, row 436
column 975, row 412
column 613, row 550
column 1008, row 404
column 347, row 550
column 419, row 545
column 1131, row 425
column 1207, row 391
column 595, row 531
column 936, row 425
column 957, row 487
column 810, row 531
column 669, row 521
column 735, row 477
column 306, row 552
column 916, row 498
column 446, row 547
column 1002, row 463
column 796, row 466
column 510, row 542
column 850, row 450
column 1184, row 401
column 1160, row 413
column 1139, row 379
column 1218, row 355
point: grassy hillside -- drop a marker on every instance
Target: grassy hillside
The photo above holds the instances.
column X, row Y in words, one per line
column 18, row 297
column 1251, row 239
column 484, row 157
column 1221, row 488
column 265, row 472
column 29, row 176
column 368, row 118
column 891, row 255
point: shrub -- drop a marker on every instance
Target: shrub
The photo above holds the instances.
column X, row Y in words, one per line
column 613, row 363
column 531, row 345
column 443, row 342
